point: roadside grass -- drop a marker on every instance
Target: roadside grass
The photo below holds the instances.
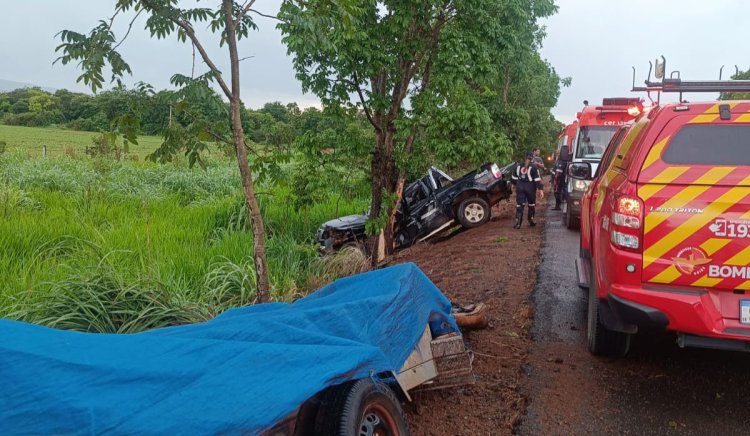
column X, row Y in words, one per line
column 111, row 246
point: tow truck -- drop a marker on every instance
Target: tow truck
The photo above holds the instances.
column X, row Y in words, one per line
column 595, row 126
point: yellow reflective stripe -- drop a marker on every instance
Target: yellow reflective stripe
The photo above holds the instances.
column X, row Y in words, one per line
column 667, row 276
column 655, row 153
column 714, row 244
column 744, row 286
column 648, row 191
column 711, row 177
column 706, row 282
column 744, row 118
column 741, row 259
column 682, row 198
column 608, row 177
column 668, row 175
column 695, row 223
column 706, row 118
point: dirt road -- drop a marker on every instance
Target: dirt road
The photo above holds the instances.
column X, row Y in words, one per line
column 657, row 389
column 534, row 373
column 495, row 264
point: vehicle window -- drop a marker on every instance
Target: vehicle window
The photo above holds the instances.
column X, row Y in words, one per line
column 612, row 150
column 592, row 140
column 625, row 153
column 710, row 144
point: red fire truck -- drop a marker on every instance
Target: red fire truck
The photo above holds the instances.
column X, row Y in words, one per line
column 595, row 126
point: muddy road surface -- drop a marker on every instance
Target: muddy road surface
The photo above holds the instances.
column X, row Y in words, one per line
column 657, row 389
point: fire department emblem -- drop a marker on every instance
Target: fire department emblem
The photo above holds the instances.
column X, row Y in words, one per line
column 691, row 261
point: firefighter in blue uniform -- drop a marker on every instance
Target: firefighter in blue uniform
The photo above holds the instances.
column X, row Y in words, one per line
column 527, row 180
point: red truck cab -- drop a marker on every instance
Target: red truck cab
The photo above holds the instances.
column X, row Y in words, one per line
column 665, row 230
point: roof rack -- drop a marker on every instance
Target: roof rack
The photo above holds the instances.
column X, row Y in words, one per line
column 679, row 85
column 675, row 84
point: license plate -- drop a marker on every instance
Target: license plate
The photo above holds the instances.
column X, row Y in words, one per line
column 745, row 311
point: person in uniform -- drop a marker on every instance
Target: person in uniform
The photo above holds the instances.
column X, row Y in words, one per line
column 527, row 180
column 559, row 174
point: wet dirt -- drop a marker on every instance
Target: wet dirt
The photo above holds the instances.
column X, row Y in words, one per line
column 535, row 375
column 497, row 265
column 658, row 388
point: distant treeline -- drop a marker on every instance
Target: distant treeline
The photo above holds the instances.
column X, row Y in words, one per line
column 275, row 123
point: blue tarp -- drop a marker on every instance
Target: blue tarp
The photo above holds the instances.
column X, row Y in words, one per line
column 238, row 373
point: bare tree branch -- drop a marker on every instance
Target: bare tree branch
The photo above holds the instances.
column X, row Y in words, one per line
column 274, row 17
column 130, row 27
column 192, row 72
column 364, row 105
column 245, row 9
column 217, row 73
column 190, row 32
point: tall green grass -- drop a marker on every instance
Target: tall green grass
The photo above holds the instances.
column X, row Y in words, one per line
column 103, row 245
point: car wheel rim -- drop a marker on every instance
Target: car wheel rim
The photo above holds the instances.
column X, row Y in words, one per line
column 474, row 213
column 377, row 421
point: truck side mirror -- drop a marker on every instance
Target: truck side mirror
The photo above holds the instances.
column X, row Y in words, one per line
column 564, row 154
column 580, row 170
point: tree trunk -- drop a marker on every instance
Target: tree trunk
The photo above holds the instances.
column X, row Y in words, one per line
column 238, row 136
column 384, row 179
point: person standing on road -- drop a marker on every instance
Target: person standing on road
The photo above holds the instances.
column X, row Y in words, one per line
column 559, row 174
column 538, row 161
column 528, row 182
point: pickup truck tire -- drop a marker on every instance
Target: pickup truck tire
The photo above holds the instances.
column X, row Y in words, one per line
column 473, row 212
column 361, row 407
column 601, row 340
column 571, row 222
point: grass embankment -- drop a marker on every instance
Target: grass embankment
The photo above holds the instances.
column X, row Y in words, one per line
column 120, row 246
column 30, row 141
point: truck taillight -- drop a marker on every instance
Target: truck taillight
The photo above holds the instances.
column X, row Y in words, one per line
column 627, row 213
column 627, row 218
column 496, row 171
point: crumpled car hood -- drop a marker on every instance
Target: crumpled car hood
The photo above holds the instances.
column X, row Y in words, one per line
column 346, row 222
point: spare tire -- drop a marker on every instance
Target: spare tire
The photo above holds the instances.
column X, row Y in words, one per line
column 362, row 407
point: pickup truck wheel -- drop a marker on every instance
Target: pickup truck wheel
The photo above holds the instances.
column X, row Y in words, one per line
column 363, row 407
column 473, row 212
column 601, row 340
column 571, row 222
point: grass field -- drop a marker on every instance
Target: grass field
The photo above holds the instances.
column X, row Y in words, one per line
column 30, row 141
column 96, row 244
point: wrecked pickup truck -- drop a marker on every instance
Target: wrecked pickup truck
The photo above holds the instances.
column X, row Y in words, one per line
column 428, row 205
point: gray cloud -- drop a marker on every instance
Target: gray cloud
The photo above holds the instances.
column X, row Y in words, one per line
column 594, row 41
column 597, row 42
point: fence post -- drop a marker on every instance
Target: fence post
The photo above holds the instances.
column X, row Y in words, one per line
column 44, row 151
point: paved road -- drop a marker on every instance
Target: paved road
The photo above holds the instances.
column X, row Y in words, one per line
column 658, row 388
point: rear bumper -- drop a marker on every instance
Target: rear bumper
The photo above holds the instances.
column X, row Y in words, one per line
column 689, row 312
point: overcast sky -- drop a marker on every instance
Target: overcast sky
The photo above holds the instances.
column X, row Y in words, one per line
column 594, row 42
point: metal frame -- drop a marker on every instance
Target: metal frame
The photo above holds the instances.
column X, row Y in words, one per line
column 674, row 82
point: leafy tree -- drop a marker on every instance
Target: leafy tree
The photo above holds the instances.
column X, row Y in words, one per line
column 278, row 111
column 398, row 61
column 230, row 21
column 741, row 75
column 43, row 102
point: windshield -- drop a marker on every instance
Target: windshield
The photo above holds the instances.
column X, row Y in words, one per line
column 593, row 140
